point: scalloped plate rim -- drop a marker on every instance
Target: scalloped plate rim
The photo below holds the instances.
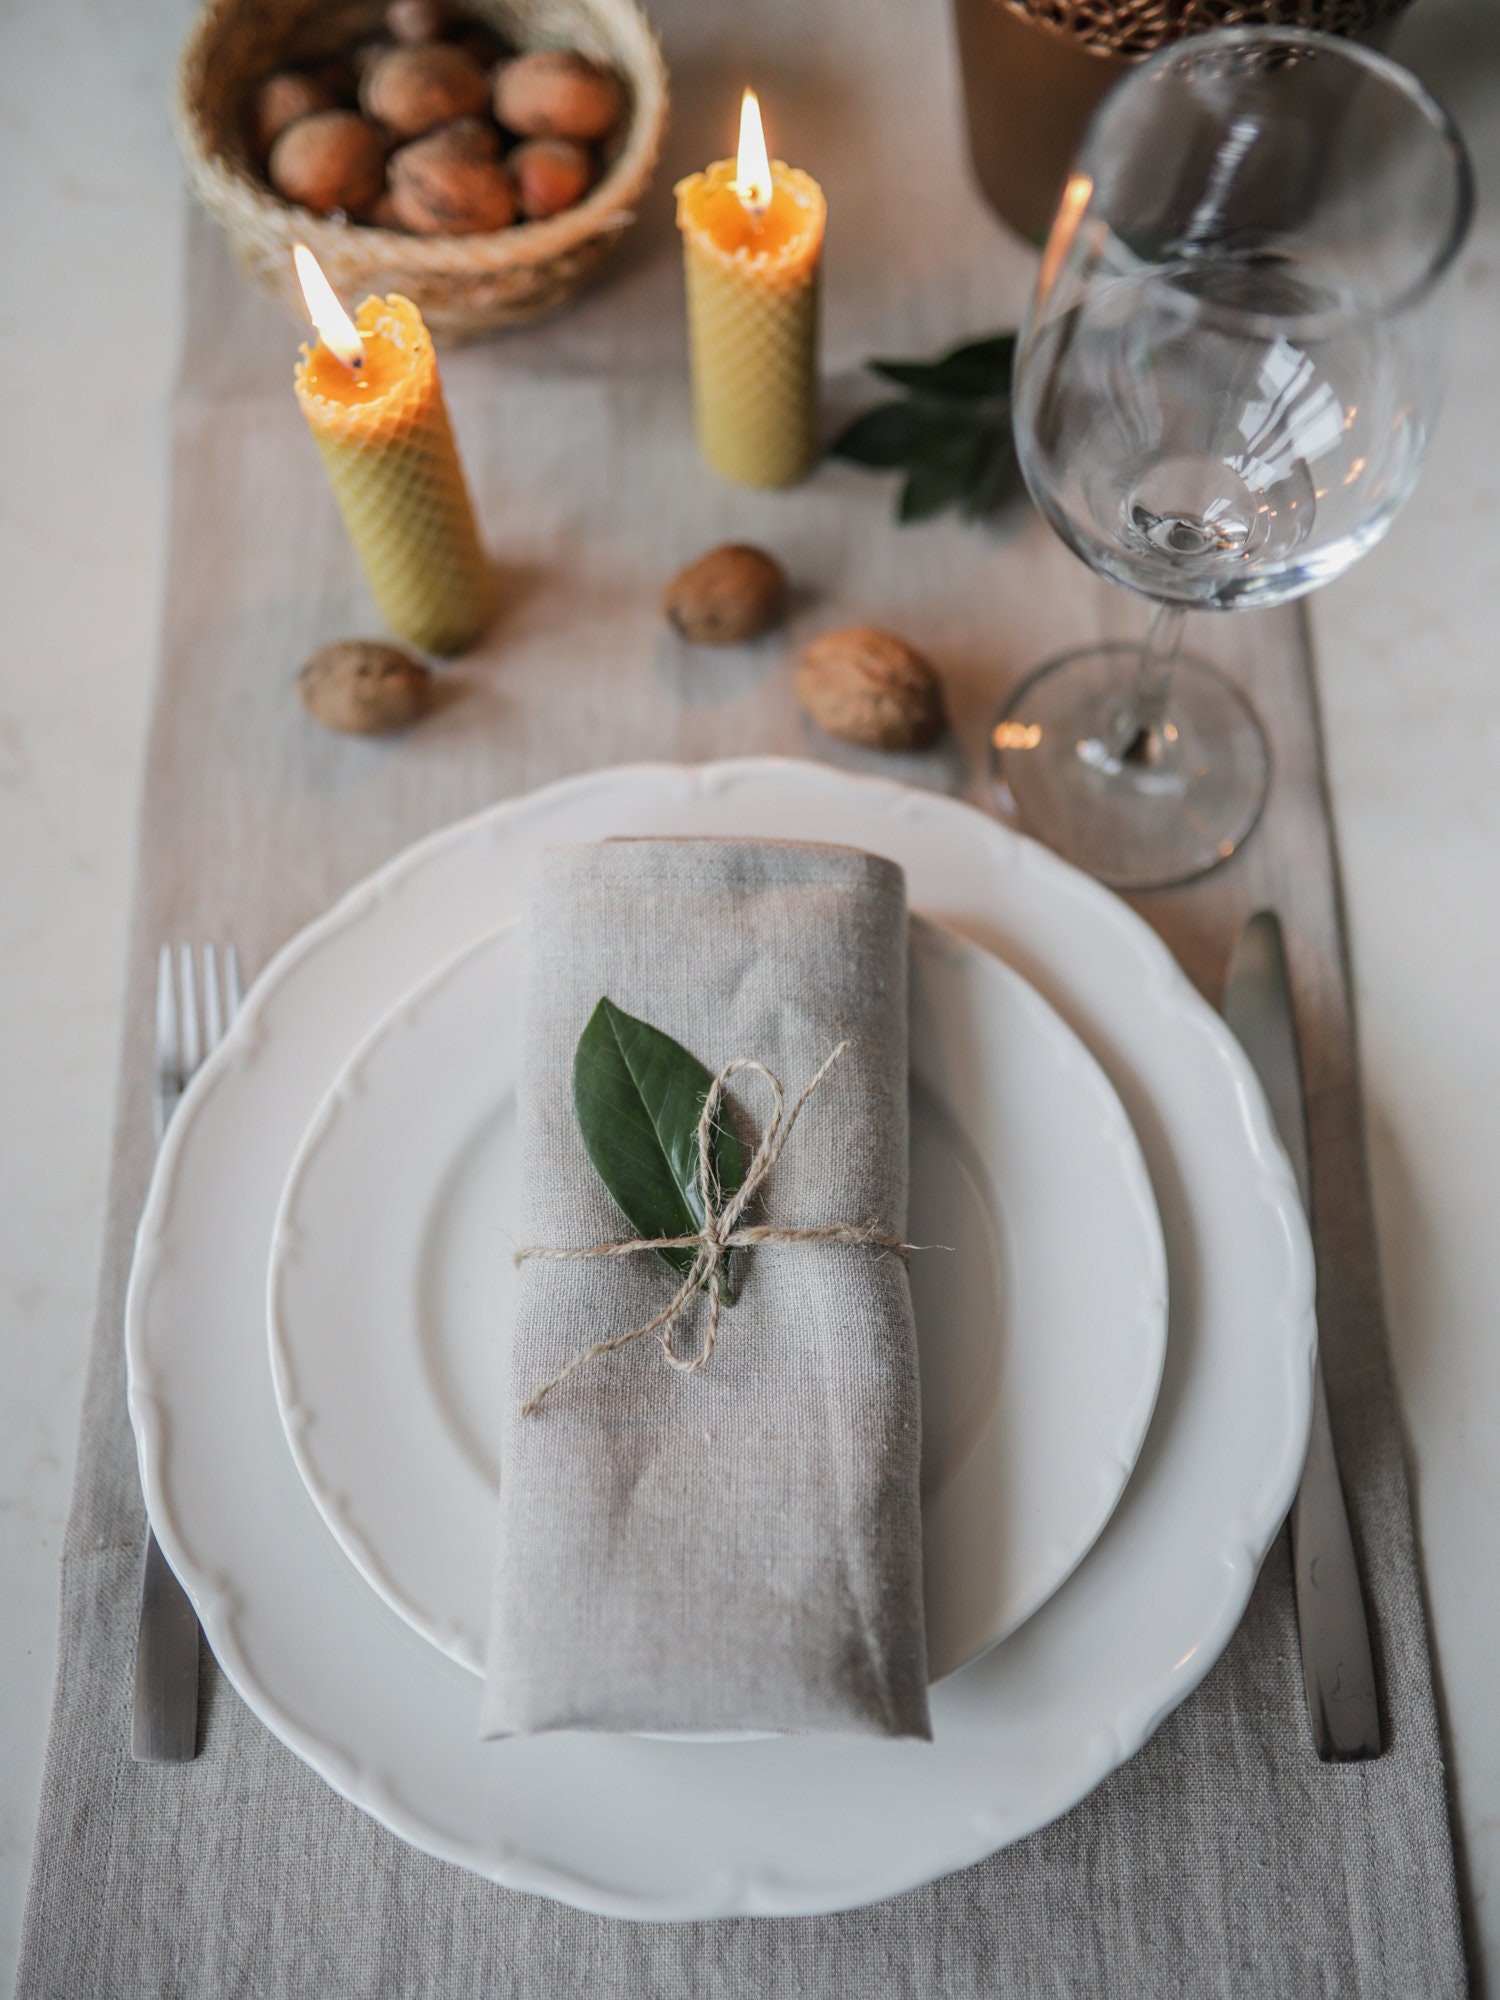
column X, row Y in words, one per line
column 1237, row 1555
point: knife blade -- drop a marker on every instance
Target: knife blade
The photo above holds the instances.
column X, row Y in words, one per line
column 1338, row 1673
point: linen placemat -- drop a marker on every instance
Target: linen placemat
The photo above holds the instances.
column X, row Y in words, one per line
column 1223, row 1858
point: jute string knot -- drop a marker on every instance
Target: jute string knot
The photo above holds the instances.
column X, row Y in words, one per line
column 723, row 1230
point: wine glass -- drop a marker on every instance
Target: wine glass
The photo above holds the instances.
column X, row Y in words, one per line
column 1223, row 393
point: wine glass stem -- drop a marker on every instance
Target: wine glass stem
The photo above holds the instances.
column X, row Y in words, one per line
column 1140, row 727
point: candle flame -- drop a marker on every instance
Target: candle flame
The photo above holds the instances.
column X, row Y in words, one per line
column 752, row 170
column 335, row 328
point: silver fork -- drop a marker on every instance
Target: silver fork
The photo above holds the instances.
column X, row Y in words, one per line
column 164, row 1723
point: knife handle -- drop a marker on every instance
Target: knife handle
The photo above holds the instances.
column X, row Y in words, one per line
column 1338, row 1672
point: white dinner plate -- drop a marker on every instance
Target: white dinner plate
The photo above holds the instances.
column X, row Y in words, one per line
column 1042, row 1327
column 668, row 1830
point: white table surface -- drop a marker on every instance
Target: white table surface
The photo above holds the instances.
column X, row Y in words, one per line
column 90, row 232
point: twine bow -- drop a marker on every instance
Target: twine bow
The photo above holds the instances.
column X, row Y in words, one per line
column 722, row 1231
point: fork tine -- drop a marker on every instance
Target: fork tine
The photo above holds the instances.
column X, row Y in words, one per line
column 213, row 1019
column 192, row 1039
column 168, row 1074
column 166, row 1010
column 232, row 993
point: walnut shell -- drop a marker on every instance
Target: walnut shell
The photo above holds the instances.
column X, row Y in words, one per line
column 733, row 593
column 331, row 160
column 417, row 21
column 451, row 184
column 411, row 90
column 870, row 687
column 556, row 94
column 461, row 139
column 364, row 56
column 363, row 688
column 281, row 99
column 550, row 175
column 381, row 214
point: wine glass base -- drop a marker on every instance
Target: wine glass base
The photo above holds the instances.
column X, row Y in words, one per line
column 1140, row 815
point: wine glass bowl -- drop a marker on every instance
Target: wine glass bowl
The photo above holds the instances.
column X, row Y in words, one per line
column 1224, row 391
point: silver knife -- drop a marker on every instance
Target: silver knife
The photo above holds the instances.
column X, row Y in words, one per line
column 1338, row 1673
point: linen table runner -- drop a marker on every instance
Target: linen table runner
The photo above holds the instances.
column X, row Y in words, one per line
column 1222, row 1859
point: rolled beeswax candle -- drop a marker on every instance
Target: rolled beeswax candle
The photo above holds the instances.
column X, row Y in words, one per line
column 382, row 430
column 752, row 290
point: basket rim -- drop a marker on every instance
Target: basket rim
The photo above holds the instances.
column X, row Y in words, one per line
column 229, row 189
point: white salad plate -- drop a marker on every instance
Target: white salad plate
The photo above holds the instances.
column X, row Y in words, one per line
column 660, row 1830
column 1042, row 1326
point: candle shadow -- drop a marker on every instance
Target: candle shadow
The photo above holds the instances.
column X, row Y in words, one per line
column 517, row 587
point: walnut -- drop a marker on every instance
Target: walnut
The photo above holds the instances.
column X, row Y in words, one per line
column 550, row 174
column 411, row 90
column 451, row 184
column 330, row 160
column 364, row 56
column 363, row 688
column 465, row 139
column 279, row 101
column 555, row 94
column 735, row 592
column 417, row 21
column 381, row 214
column 870, row 687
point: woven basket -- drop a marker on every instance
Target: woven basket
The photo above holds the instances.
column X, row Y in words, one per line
column 1137, row 27
column 464, row 285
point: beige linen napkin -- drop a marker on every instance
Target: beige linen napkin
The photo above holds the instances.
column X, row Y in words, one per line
column 738, row 1548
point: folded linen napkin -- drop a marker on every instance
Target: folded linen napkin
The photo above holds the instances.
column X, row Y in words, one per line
column 738, row 1548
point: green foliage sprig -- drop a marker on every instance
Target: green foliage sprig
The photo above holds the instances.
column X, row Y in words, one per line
column 950, row 434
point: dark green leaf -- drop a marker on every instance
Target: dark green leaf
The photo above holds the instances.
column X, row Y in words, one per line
column 976, row 372
column 638, row 1097
column 995, row 478
column 952, row 437
column 943, row 473
column 882, row 437
column 928, row 491
column 957, row 445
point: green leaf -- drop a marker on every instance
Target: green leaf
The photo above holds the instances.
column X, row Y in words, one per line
column 882, row 437
column 956, row 444
column 927, row 492
column 976, row 372
column 996, row 477
column 944, row 472
column 638, row 1097
column 951, row 437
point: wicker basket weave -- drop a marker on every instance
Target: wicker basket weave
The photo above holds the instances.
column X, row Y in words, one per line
column 1136, row 27
column 464, row 285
